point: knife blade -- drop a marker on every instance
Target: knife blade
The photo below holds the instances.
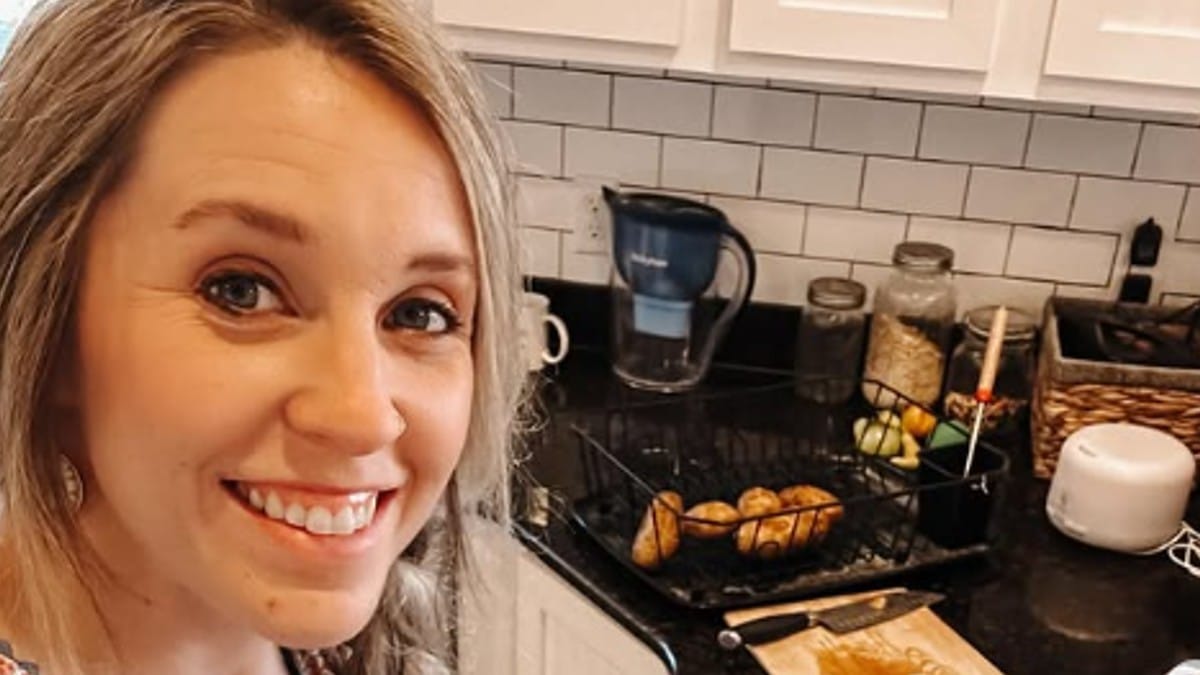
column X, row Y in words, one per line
column 841, row 619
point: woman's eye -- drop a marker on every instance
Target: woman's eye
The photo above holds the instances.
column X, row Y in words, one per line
column 422, row 315
column 241, row 293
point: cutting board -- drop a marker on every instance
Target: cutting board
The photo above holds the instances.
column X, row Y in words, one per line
column 918, row 642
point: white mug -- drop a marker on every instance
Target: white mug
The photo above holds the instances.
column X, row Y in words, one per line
column 535, row 316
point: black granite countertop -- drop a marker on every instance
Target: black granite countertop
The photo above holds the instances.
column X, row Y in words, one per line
column 1039, row 603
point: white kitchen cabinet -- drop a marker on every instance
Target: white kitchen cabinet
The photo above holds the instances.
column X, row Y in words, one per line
column 632, row 32
column 946, row 34
column 1143, row 52
column 1139, row 54
column 1139, row 41
column 532, row 622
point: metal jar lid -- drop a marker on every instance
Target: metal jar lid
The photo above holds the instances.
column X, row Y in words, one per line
column 836, row 293
column 1021, row 326
column 923, row 256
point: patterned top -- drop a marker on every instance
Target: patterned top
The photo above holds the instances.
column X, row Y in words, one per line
column 297, row 663
column 9, row 665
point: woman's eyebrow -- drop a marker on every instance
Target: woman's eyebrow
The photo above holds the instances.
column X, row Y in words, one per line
column 273, row 223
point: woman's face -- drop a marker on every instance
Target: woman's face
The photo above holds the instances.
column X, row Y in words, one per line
column 274, row 365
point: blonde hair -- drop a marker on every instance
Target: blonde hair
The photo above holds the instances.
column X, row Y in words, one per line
column 73, row 87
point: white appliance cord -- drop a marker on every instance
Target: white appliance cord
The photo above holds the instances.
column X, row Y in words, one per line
column 1183, row 549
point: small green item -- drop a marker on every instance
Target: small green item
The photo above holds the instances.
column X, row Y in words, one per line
column 946, row 434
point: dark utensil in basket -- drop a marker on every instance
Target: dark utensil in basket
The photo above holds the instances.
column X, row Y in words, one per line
column 713, row 447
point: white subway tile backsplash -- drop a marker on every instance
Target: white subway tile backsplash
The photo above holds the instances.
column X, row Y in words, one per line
column 546, row 203
column 1019, row 196
column 1086, row 292
column 981, row 291
column 710, row 166
column 584, row 268
column 785, row 162
column 976, row 135
column 539, row 252
column 538, row 146
column 1178, row 299
column 916, row 187
column 852, row 235
column 871, row 276
column 978, row 247
column 1107, row 205
column 811, row 176
column 1039, row 254
column 496, row 79
column 1062, row 143
column 1189, row 225
column 570, row 97
column 867, row 125
column 1180, row 269
column 773, row 227
column 662, row 106
column 784, row 279
column 1169, row 153
column 763, row 115
column 627, row 157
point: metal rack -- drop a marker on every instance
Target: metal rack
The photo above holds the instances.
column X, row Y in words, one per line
column 715, row 446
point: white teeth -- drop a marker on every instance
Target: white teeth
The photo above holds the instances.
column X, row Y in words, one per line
column 274, row 506
column 318, row 519
column 343, row 522
column 295, row 515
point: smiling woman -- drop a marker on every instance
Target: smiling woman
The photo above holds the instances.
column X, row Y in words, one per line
column 255, row 267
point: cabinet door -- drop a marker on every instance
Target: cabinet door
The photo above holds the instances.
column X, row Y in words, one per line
column 560, row 631
column 653, row 22
column 945, row 34
column 1137, row 41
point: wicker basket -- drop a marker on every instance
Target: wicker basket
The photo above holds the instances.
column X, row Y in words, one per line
column 1073, row 393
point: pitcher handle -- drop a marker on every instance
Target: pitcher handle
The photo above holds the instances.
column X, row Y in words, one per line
column 747, row 274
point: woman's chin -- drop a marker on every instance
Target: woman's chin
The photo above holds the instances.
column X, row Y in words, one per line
column 314, row 620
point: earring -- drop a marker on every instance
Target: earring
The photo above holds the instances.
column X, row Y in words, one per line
column 72, row 481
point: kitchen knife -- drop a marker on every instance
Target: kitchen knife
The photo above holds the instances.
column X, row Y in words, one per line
column 845, row 618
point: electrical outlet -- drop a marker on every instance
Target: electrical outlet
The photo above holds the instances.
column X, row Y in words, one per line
column 591, row 221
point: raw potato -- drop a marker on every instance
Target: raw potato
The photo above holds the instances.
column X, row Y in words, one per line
column 758, row 501
column 768, row 538
column 831, row 511
column 662, row 518
column 716, row 511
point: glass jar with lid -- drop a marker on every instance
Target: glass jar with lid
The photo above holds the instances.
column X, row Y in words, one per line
column 911, row 326
column 829, row 345
column 1014, row 373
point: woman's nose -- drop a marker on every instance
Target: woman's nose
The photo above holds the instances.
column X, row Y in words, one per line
column 347, row 402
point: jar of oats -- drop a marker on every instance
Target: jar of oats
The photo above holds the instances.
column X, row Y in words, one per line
column 911, row 327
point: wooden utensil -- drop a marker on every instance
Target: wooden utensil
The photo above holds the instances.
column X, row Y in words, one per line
column 916, row 642
column 987, row 380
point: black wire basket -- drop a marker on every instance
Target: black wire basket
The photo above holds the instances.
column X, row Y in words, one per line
column 876, row 519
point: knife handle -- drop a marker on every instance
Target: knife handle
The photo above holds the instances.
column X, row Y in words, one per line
column 766, row 629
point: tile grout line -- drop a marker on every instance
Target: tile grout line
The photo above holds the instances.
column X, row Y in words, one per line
column 1137, row 151
column 981, row 104
column 859, row 153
